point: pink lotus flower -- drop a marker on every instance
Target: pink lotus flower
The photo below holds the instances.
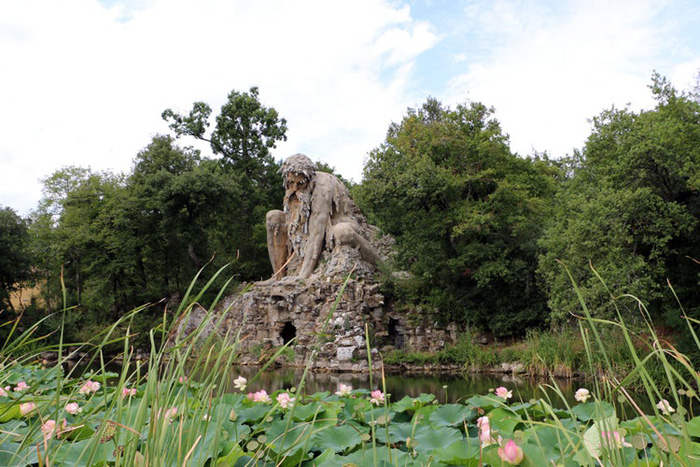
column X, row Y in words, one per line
column 48, row 428
column 503, row 393
column 376, row 397
column 182, row 379
column 88, row 387
column 239, row 383
column 284, row 400
column 344, row 390
column 21, row 386
column 27, row 408
column 170, row 414
column 250, row 396
column 511, row 453
column 126, row 392
column 73, row 408
column 3, row 393
column 484, row 431
column 582, row 395
column 261, row 396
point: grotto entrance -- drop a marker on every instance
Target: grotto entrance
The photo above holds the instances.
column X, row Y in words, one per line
column 395, row 335
column 289, row 332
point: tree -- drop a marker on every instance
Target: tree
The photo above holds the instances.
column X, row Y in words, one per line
column 244, row 134
column 118, row 241
column 465, row 213
column 631, row 209
column 187, row 207
column 75, row 228
column 15, row 260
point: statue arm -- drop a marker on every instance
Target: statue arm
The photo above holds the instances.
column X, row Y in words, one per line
column 317, row 232
column 319, row 222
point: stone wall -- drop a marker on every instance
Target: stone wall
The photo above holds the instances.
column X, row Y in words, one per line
column 331, row 335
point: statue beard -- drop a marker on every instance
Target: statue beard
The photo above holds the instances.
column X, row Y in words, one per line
column 297, row 209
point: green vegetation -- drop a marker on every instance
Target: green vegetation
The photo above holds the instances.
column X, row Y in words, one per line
column 561, row 354
column 630, row 206
column 183, row 408
column 466, row 214
column 15, row 260
column 113, row 242
column 481, row 233
column 484, row 237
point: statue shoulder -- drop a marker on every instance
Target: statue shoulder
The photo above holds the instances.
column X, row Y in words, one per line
column 329, row 183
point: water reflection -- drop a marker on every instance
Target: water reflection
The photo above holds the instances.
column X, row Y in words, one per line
column 448, row 388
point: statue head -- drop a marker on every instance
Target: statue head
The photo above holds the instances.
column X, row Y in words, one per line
column 298, row 172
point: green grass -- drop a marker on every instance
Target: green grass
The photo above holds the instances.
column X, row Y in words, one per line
column 186, row 410
column 561, row 353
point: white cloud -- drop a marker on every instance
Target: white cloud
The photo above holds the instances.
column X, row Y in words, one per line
column 551, row 70
column 85, row 84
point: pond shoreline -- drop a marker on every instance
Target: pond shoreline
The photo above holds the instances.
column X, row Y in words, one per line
column 513, row 369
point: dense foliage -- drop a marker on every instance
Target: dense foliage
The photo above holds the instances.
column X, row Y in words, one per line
column 466, row 214
column 15, row 260
column 114, row 242
column 631, row 207
column 86, row 422
column 482, row 234
column 245, row 132
column 184, row 407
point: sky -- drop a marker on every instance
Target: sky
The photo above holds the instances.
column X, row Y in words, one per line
column 84, row 82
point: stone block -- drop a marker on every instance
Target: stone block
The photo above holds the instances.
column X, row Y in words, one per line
column 345, row 354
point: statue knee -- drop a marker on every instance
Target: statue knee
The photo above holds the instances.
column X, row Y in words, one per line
column 275, row 217
column 275, row 220
column 343, row 233
column 346, row 234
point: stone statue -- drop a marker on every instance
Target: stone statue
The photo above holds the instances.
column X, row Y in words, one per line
column 318, row 215
column 320, row 237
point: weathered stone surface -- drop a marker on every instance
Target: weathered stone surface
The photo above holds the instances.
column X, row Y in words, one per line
column 317, row 242
column 307, row 311
column 272, row 313
column 318, row 217
column 345, row 353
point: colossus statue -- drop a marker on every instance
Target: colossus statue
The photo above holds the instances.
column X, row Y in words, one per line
column 318, row 215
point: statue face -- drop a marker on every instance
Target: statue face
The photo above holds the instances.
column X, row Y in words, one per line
column 296, row 182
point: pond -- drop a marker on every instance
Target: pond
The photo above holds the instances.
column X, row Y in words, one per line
column 448, row 388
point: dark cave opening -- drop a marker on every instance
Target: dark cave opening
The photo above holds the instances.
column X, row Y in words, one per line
column 289, row 332
column 395, row 335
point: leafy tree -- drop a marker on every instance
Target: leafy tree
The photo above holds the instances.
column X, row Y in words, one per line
column 49, row 240
column 244, row 134
column 74, row 226
column 187, row 211
column 631, row 209
column 465, row 212
column 625, row 234
column 15, row 259
column 117, row 242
